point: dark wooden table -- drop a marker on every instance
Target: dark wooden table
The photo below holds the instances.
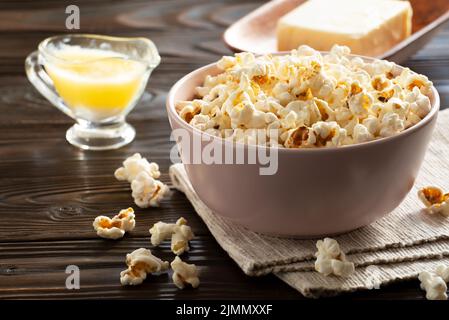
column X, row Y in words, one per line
column 50, row 192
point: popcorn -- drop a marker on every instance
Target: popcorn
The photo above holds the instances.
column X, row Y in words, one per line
column 411, row 119
column 181, row 237
column 107, row 228
column 331, row 260
column 397, row 106
column 296, row 93
column 380, row 82
column 203, row 122
column 326, row 112
column 141, row 262
column 443, row 272
column 116, row 227
column 361, row 134
column 160, row 232
column 298, row 137
column 419, row 103
column 134, row 165
column 434, row 285
column 147, row 191
column 360, row 103
column 184, row 273
column 435, row 200
column 299, row 113
column 253, row 136
column 391, row 124
column 378, row 67
column 188, row 112
column 245, row 115
column 409, row 80
column 179, row 232
column 372, row 124
column 328, row 134
column 226, row 62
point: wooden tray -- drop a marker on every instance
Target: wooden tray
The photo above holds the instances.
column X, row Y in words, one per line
column 256, row 32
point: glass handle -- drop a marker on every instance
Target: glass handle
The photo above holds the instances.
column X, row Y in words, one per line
column 42, row 82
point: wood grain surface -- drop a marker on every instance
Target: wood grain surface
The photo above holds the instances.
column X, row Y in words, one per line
column 50, row 192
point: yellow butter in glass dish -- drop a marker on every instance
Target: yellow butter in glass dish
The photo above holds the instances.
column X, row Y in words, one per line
column 96, row 80
column 96, row 84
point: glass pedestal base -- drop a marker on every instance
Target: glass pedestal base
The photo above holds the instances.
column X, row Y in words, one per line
column 91, row 136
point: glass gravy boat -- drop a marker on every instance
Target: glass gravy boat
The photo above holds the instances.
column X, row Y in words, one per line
column 96, row 80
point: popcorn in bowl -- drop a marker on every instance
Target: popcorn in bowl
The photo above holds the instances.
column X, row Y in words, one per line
column 307, row 100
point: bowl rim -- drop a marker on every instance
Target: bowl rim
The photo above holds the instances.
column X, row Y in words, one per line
column 171, row 110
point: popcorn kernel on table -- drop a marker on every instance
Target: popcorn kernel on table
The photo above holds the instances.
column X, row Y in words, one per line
column 116, row 227
column 331, row 260
column 435, row 200
column 141, row 262
column 184, row 273
column 179, row 232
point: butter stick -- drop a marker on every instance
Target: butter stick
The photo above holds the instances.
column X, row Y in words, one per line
column 368, row 27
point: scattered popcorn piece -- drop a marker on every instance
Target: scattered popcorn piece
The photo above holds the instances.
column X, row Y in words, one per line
column 116, row 227
column 161, row 231
column 184, row 273
column 435, row 200
column 127, row 217
column 331, row 260
column 141, row 262
column 147, row 191
column 443, row 272
column 107, row 228
column 434, row 286
column 179, row 232
column 134, row 165
column 303, row 92
column 342, row 268
column 181, row 237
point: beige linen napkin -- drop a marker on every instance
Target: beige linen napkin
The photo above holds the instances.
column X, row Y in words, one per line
column 396, row 247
